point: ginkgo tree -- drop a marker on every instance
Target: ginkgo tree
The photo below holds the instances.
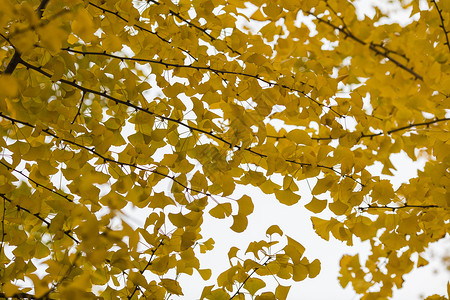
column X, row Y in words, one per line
column 103, row 103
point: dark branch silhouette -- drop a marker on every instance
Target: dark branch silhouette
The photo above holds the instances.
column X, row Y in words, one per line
column 441, row 17
column 103, row 157
column 205, row 31
column 394, row 208
column 248, row 277
column 149, row 262
column 38, row 216
column 169, row 119
column 105, row 10
column 9, row 168
column 16, row 57
column 371, row 135
column 204, row 68
column 372, row 46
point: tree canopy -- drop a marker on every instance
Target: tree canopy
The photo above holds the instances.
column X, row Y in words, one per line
column 167, row 107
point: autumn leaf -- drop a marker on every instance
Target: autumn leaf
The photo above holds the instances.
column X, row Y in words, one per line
column 130, row 128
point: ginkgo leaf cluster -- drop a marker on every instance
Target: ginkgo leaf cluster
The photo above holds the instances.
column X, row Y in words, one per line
column 167, row 107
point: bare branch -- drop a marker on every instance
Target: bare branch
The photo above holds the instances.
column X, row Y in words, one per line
column 3, row 227
column 197, row 27
column 79, row 108
column 371, row 135
column 104, row 158
column 394, row 208
column 204, row 68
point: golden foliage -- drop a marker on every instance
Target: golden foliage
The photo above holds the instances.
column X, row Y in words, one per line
column 104, row 102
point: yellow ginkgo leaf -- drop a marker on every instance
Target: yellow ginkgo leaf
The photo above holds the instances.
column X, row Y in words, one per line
column 172, row 286
column 221, row 211
column 240, row 223
column 287, row 197
column 316, row 205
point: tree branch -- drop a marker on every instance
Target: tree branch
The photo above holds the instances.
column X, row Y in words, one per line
column 394, row 208
column 104, row 158
column 79, row 108
column 10, row 168
column 168, row 119
column 104, row 10
column 204, row 68
column 3, row 227
column 149, row 262
column 442, row 24
column 428, row 123
column 187, row 52
column 372, row 46
column 18, row 296
column 197, row 27
column 405, row 127
column 41, row 8
column 44, row 22
column 38, row 216
column 248, row 277
column 55, row 286
column 16, row 57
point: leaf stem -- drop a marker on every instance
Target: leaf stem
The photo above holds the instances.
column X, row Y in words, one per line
column 248, row 277
column 149, row 262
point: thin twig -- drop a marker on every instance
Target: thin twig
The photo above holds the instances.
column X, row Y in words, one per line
column 168, row 119
column 372, row 47
column 203, row 30
column 446, row 32
column 16, row 57
column 104, row 10
column 103, row 157
column 405, row 127
column 79, row 108
column 394, row 208
column 248, row 277
column 18, row 296
column 149, row 262
column 41, row 24
column 3, row 227
column 412, row 125
column 38, row 216
column 10, row 168
column 204, row 68
column 64, row 277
